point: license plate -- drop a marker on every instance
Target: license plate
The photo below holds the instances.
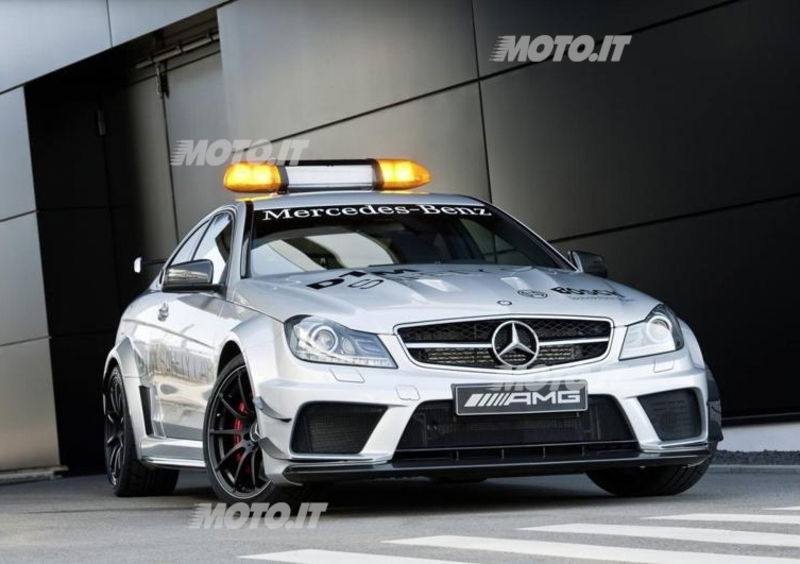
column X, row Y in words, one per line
column 519, row 398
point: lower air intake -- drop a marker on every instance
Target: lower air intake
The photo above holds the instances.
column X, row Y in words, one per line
column 435, row 425
column 334, row 428
column 675, row 415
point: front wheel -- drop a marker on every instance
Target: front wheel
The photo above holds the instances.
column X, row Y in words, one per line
column 655, row 481
column 234, row 460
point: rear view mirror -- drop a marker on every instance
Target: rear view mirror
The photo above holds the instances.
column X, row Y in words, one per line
column 196, row 275
column 589, row 263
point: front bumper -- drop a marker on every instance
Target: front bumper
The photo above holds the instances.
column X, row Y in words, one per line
column 623, row 458
column 403, row 389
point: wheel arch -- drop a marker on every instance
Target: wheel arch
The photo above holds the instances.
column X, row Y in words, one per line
column 123, row 356
column 229, row 351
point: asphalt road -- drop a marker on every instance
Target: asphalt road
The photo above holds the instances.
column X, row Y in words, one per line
column 728, row 518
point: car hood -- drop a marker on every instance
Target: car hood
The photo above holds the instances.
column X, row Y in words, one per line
column 377, row 299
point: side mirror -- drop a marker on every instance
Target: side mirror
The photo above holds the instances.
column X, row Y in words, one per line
column 193, row 276
column 589, row 263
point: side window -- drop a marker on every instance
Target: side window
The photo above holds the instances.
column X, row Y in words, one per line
column 186, row 251
column 216, row 245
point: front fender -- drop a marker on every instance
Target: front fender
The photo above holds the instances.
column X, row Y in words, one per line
column 257, row 338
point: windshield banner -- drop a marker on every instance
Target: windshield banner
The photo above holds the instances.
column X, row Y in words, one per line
column 373, row 210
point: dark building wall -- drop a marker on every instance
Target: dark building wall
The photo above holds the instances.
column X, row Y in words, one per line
column 77, row 250
column 105, row 194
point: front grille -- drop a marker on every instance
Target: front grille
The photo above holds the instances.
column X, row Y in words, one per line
column 469, row 343
column 435, row 426
column 675, row 414
column 334, row 428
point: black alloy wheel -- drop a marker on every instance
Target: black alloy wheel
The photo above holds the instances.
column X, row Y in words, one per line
column 234, row 458
column 113, row 405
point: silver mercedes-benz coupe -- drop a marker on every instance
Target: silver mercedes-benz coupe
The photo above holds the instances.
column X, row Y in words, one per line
column 334, row 324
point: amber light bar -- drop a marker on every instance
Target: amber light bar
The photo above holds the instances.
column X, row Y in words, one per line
column 367, row 174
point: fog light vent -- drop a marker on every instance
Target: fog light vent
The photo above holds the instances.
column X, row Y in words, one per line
column 334, row 428
column 675, row 414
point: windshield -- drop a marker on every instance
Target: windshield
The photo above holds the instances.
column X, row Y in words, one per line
column 292, row 240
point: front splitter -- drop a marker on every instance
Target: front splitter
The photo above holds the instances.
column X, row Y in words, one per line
column 335, row 472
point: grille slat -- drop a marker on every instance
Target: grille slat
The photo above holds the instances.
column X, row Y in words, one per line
column 468, row 343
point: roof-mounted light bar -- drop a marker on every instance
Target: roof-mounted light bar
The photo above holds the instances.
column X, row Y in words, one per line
column 367, row 174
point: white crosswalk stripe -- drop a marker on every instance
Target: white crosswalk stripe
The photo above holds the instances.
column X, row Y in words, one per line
column 581, row 551
column 734, row 518
column 588, row 552
column 724, row 536
column 313, row 556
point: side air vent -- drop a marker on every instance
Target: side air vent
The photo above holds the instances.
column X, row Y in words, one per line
column 675, row 414
column 334, row 428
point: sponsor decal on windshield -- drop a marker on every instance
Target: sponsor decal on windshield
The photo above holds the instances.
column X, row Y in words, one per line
column 368, row 210
column 357, row 280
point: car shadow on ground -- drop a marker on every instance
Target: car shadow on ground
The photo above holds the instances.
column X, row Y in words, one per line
column 420, row 495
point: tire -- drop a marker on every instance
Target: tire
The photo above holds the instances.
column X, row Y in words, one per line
column 128, row 476
column 234, row 460
column 644, row 482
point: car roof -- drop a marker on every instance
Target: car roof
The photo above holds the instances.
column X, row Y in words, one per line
column 359, row 197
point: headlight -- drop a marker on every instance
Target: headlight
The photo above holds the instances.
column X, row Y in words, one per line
column 319, row 340
column 659, row 333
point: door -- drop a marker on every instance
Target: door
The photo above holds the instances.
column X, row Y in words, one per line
column 189, row 323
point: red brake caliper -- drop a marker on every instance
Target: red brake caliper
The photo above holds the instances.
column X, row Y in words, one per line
column 239, row 426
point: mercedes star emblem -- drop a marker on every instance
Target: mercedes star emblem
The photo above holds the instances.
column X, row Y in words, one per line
column 515, row 344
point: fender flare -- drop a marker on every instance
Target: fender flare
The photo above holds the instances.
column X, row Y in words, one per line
column 124, row 356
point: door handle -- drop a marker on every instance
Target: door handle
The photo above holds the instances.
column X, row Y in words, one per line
column 163, row 312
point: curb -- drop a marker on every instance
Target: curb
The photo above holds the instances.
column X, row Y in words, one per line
column 30, row 475
column 755, row 468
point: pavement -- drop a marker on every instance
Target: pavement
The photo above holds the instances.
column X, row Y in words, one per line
column 728, row 518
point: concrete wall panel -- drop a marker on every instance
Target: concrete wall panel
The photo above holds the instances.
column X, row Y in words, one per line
column 195, row 113
column 22, row 308
column 40, row 36
column 292, row 66
column 578, row 17
column 132, row 18
column 27, row 414
column 692, row 118
column 16, row 184
column 443, row 132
